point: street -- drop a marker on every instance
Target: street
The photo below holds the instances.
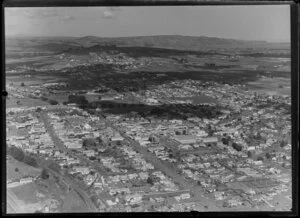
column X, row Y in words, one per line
column 151, row 158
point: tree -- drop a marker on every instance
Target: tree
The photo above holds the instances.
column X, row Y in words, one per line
column 16, row 169
column 77, row 99
column 282, row 143
column 150, row 181
column 16, row 153
column 44, row 174
column 260, row 158
column 92, row 158
column 225, row 141
column 88, row 142
column 53, row 102
column 237, row 146
column 22, row 84
column 268, row 156
column 43, row 98
column 31, row 161
column 249, row 153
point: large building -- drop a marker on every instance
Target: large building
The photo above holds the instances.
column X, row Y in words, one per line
column 116, row 138
column 210, row 140
column 186, row 139
column 73, row 145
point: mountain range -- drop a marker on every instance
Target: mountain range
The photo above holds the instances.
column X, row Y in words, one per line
column 175, row 42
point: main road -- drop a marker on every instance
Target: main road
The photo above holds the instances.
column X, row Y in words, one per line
column 151, row 158
column 72, row 184
column 158, row 164
column 60, row 145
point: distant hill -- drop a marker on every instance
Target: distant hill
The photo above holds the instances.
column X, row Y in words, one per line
column 175, row 42
column 133, row 51
column 54, row 47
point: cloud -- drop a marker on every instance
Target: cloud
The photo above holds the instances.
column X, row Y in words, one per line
column 68, row 17
column 108, row 15
column 110, row 12
column 63, row 14
column 41, row 12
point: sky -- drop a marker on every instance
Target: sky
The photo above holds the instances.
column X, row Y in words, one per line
column 252, row 22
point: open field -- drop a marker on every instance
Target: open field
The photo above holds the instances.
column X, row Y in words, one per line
column 22, row 170
column 14, row 205
column 73, row 203
column 28, row 60
column 26, row 193
column 29, row 102
column 275, row 85
column 199, row 99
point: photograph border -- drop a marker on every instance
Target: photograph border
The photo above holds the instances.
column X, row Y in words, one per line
column 294, row 24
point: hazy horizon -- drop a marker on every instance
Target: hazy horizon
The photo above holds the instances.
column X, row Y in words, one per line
column 269, row 23
column 33, row 36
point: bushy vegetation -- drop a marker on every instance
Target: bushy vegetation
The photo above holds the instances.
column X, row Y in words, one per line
column 53, row 102
column 43, row 98
column 44, row 174
column 268, row 156
column 38, row 109
column 77, row 99
column 237, row 146
column 249, row 154
column 19, row 155
column 260, row 158
column 16, row 153
column 55, row 167
column 89, row 142
column 29, row 160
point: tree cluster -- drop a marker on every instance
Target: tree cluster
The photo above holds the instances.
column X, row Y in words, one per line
column 237, row 146
column 53, row 102
column 19, row 155
column 77, row 99
column 89, row 142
